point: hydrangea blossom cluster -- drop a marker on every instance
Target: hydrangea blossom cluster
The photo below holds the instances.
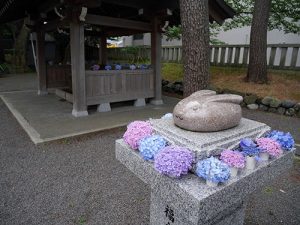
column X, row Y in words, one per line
column 95, row 67
column 167, row 116
column 249, row 148
column 150, row 146
column 233, row 158
column 132, row 67
column 118, row 67
column 173, row 161
column 270, row 146
column 284, row 139
column 107, row 67
column 143, row 67
column 213, row 170
column 136, row 131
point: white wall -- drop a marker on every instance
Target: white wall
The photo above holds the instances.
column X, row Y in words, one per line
column 234, row 36
column 242, row 36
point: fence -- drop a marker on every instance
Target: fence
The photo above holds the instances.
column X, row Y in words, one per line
column 279, row 56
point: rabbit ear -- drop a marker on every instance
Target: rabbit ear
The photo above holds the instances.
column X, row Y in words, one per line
column 225, row 98
column 203, row 93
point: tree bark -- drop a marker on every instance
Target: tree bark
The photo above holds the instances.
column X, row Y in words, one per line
column 20, row 47
column 257, row 68
column 195, row 45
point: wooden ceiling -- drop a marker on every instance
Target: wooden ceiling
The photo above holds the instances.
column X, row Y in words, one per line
column 11, row 10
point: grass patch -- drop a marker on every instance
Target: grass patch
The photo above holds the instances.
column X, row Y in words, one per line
column 284, row 84
column 172, row 71
column 82, row 220
column 297, row 160
column 268, row 190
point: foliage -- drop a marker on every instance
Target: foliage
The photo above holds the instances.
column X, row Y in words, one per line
column 173, row 32
column 135, row 54
column 231, row 78
column 284, row 15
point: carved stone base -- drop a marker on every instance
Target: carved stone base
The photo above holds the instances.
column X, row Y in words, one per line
column 139, row 102
column 104, row 107
column 79, row 113
column 42, row 92
column 189, row 200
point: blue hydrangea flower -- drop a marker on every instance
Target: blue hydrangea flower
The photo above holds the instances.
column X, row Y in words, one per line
column 167, row 116
column 249, row 147
column 118, row 67
column 247, row 143
column 107, row 67
column 286, row 140
column 150, row 146
column 213, row 170
column 143, row 67
column 132, row 67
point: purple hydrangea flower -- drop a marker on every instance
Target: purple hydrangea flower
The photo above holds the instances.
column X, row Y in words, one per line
column 233, row 158
column 118, row 67
column 143, row 67
column 173, row 161
column 247, row 143
column 213, row 170
column 107, row 67
column 95, row 67
column 249, row 147
column 150, row 146
column 132, row 67
column 286, row 140
column 270, row 146
column 136, row 131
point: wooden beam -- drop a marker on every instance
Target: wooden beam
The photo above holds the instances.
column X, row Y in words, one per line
column 78, row 69
column 41, row 63
column 117, row 22
column 53, row 24
column 128, row 3
column 49, row 5
column 103, row 51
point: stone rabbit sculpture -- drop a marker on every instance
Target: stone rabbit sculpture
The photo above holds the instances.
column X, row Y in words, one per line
column 206, row 111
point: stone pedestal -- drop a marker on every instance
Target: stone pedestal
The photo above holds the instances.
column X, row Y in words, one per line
column 189, row 200
column 104, row 107
column 139, row 102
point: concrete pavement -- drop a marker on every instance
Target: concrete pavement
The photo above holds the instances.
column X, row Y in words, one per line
column 78, row 181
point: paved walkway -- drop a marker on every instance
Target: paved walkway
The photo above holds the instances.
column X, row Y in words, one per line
column 78, row 181
column 18, row 82
column 47, row 118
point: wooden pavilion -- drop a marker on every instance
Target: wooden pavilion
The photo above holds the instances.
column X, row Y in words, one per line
column 112, row 18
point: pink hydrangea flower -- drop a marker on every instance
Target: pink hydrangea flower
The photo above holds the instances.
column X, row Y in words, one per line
column 233, row 158
column 270, row 146
column 136, row 131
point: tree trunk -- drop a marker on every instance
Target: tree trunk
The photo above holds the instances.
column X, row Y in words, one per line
column 195, row 45
column 20, row 46
column 257, row 69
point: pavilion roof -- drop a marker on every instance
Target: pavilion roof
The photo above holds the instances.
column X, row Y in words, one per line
column 11, row 10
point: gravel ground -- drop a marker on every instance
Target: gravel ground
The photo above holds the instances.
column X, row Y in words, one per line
column 78, row 181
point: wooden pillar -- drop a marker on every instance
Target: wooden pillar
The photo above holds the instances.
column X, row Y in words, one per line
column 156, row 61
column 103, row 51
column 41, row 62
column 78, row 68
